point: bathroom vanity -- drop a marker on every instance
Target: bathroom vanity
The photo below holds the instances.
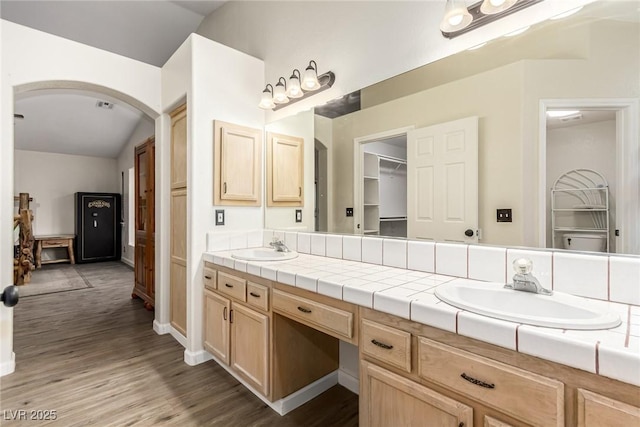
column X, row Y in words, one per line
column 275, row 326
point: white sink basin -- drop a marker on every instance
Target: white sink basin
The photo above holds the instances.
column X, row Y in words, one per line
column 555, row 311
column 263, row 254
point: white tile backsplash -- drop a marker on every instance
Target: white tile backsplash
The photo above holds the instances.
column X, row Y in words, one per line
column 583, row 275
column 291, row 240
column 421, row 256
column 488, row 263
column 267, row 237
column 238, row 240
column 304, row 243
column 318, row 244
column 352, row 248
column 394, row 253
column 451, row 259
column 334, row 246
column 624, row 276
column 372, row 250
column 542, row 265
column 254, row 239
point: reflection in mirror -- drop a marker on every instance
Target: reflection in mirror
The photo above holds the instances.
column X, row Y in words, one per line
column 588, row 63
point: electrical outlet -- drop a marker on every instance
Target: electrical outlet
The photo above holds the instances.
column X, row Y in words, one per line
column 219, row 216
column 349, row 211
column 504, row 215
column 298, row 215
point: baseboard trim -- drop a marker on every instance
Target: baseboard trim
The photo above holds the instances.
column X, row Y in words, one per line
column 193, row 358
column 128, row 262
column 294, row 400
column 161, row 328
column 349, row 382
column 178, row 336
column 9, row 366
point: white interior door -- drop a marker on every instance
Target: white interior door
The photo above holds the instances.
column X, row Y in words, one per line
column 442, row 181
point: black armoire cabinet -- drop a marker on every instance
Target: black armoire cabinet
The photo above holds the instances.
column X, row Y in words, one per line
column 98, row 227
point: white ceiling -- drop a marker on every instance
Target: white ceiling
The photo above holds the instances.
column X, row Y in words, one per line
column 68, row 122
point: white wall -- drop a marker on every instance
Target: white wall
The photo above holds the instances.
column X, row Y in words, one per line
column 219, row 86
column 363, row 42
column 53, row 179
column 584, row 146
column 125, row 161
column 32, row 59
column 283, row 218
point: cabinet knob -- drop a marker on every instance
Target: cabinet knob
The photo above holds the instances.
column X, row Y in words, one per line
column 468, row 232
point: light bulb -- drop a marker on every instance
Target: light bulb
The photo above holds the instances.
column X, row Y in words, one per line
column 266, row 102
column 455, row 20
column 496, row 3
column 293, row 87
column 310, row 77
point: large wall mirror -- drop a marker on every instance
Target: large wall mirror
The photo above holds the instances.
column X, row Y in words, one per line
column 531, row 140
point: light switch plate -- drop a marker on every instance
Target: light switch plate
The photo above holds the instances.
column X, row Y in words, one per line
column 219, row 216
column 349, row 211
column 298, row 215
column 504, row 215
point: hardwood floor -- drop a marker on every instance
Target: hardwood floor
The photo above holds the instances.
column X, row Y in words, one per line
column 91, row 355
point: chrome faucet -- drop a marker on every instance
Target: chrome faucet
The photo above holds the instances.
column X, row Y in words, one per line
column 279, row 245
column 523, row 280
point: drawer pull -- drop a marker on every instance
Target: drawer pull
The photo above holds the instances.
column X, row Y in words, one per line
column 230, row 316
column 253, row 294
column 381, row 344
column 477, row 382
column 304, row 310
column 207, row 277
column 224, row 313
column 228, row 285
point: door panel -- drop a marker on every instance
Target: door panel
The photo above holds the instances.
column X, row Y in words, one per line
column 250, row 344
column 216, row 325
column 442, row 181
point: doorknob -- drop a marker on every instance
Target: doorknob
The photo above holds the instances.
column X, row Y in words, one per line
column 10, row 296
column 468, row 232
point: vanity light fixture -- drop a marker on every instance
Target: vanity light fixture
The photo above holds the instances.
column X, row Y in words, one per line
column 310, row 79
column 266, row 101
column 293, row 89
column 477, row 15
column 279, row 93
column 298, row 87
column 456, row 16
column 491, row 7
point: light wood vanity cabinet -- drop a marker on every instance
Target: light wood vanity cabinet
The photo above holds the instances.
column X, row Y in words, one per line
column 388, row 399
column 237, row 335
column 274, row 354
column 501, row 387
column 285, row 170
column 597, row 410
column 238, row 165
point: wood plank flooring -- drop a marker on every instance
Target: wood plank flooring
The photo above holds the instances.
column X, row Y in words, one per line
column 92, row 356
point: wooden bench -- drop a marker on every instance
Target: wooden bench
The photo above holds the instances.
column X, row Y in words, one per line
column 54, row 241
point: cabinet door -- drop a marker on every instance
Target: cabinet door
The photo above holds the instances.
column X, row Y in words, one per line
column 140, row 269
column 179, row 147
column 596, row 410
column 285, row 174
column 388, row 400
column 216, row 325
column 492, row 422
column 238, row 160
column 250, row 346
column 178, row 275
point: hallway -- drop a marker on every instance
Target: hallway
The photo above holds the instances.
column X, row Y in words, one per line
column 91, row 356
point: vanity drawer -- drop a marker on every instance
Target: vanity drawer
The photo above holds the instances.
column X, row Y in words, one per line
column 233, row 286
column 335, row 320
column 209, row 277
column 493, row 383
column 258, row 296
column 389, row 345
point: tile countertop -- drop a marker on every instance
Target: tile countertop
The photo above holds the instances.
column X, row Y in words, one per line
column 613, row 353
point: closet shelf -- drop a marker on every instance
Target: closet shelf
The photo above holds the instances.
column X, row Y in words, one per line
column 389, row 219
column 586, row 230
column 581, row 210
column 371, row 177
column 372, row 205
